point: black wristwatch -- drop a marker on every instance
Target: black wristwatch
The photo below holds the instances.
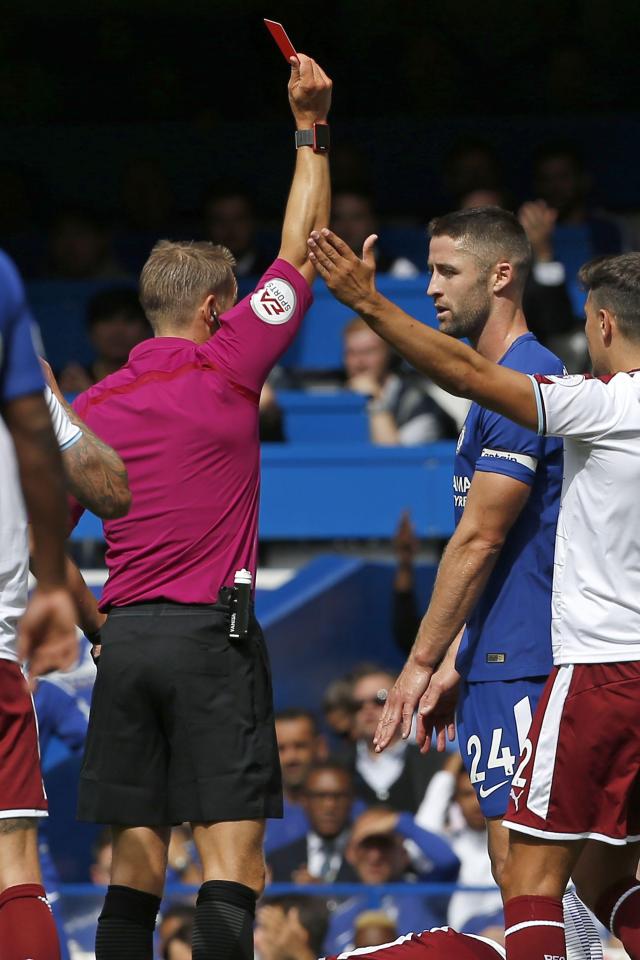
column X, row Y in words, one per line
column 317, row 138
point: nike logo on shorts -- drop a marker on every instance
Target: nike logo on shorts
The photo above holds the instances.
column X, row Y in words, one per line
column 487, row 793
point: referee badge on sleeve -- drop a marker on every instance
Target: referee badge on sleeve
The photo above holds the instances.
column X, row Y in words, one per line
column 275, row 302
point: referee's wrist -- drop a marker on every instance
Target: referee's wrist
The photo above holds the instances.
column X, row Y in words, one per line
column 308, row 123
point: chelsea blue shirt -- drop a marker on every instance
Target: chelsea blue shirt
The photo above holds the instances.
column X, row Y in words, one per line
column 20, row 372
column 508, row 635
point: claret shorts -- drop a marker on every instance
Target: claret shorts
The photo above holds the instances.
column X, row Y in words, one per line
column 21, row 789
column 579, row 774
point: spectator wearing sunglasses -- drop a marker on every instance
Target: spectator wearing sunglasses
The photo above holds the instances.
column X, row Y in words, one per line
column 399, row 776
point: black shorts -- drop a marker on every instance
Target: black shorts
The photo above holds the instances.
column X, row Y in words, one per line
column 181, row 724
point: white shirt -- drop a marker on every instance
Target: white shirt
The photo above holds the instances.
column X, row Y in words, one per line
column 14, row 547
column 596, row 579
column 381, row 770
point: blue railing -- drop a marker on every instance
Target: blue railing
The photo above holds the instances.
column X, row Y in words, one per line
column 373, row 893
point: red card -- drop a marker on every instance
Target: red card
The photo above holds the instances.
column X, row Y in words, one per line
column 279, row 34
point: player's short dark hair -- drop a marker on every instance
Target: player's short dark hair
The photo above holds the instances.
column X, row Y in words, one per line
column 113, row 302
column 313, row 913
column 490, row 233
column 298, row 713
column 614, row 284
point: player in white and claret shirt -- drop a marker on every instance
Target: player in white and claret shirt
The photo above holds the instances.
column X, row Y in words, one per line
column 14, row 551
column 31, row 474
column 575, row 799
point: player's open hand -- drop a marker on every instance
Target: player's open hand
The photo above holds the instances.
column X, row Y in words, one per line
column 437, row 708
column 309, row 91
column 350, row 279
column 401, row 703
column 47, row 634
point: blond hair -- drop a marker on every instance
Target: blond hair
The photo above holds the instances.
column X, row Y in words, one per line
column 178, row 276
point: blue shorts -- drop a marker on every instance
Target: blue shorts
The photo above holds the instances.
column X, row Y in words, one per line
column 493, row 720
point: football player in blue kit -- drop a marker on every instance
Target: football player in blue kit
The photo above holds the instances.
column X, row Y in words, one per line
column 487, row 631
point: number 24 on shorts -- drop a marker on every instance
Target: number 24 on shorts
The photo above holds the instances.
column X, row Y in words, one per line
column 498, row 756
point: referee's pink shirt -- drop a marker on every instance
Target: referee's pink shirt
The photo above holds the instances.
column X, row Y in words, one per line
column 184, row 418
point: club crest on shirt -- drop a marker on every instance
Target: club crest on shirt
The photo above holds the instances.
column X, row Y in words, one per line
column 275, row 302
column 460, row 440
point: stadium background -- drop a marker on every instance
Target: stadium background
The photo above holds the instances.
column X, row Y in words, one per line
column 194, row 92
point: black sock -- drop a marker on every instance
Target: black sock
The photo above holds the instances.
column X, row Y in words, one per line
column 223, row 925
column 126, row 925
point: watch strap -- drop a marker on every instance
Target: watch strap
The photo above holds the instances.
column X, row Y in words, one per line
column 317, row 137
column 304, row 138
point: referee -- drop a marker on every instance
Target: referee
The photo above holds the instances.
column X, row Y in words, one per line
column 181, row 725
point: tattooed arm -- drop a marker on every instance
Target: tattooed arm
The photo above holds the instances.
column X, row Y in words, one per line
column 96, row 476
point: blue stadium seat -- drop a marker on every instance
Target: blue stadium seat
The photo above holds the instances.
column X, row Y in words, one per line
column 339, row 417
column 318, row 346
column 341, row 491
column 328, row 491
column 60, row 308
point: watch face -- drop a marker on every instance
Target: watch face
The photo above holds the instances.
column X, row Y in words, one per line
column 321, row 137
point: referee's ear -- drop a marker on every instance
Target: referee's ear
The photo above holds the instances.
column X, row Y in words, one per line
column 209, row 312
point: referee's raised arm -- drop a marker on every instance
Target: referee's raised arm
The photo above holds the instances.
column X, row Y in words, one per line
column 309, row 202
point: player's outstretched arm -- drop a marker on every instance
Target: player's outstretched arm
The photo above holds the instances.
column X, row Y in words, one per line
column 309, row 200
column 494, row 503
column 449, row 363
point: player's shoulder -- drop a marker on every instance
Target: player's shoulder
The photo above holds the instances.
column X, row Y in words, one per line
column 607, row 383
column 622, row 379
column 460, row 945
column 528, row 355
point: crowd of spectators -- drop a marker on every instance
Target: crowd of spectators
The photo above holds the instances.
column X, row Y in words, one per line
column 85, row 248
